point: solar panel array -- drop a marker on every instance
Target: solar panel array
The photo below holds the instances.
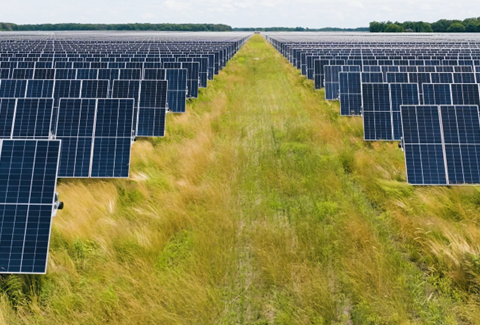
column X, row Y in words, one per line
column 71, row 105
column 422, row 90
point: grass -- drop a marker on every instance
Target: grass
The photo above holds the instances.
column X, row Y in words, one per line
column 261, row 206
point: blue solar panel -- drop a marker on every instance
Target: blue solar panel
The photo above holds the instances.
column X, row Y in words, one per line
column 96, row 137
column 437, row 94
column 40, row 88
column 28, row 175
column 128, row 89
column 401, row 94
column 332, row 83
column 372, row 77
column 44, row 74
column 130, row 74
column 94, row 89
column 422, row 144
column 193, row 78
column 66, row 89
column 461, row 134
column 7, row 114
column 465, row 94
column 152, row 108
column 87, row 74
column 113, row 138
column 76, row 118
column 13, row 88
column 377, row 118
column 350, row 93
column 464, row 78
column 33, row 118
column 397, row 77
column 66, row 74
column 441, row 144
column 22, row 74
column 154, row 74
column 177, row 90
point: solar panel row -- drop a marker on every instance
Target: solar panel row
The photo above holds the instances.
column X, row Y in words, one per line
column 420, row 91
column 75, row 113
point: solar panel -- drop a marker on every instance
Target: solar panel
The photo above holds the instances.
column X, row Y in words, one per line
column 4, row 73
column 177, row 86
column 451, row 94
column 76, row 118
column 128, row 89
column 441, row 144
column 422, row 144
column 28, row 175
column 401, row 94
column 87, row 74
column 350, row 93
column 96, row 137
column 94, row 89
column 193, row 77
column 372, row 77
column 332, row 84
column 154, row 74
column 22, row 74
column 13, row 88
column 152, row 108
column 7, row 114
column 130, row 74
column 40, row 88
column 65, row 74
column 377, row 118
column 44, row 74
column 66, row 89
column 112, row 138
column 32, row 119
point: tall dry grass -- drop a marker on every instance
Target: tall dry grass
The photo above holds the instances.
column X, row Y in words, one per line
column 260, row 206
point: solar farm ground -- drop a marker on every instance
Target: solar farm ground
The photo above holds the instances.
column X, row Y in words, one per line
column 260, row 206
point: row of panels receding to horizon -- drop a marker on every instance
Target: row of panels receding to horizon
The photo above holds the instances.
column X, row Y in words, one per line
column 71, row 106
column 421, row 90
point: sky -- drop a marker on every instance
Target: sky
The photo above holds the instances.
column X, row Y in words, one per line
column 245, row 13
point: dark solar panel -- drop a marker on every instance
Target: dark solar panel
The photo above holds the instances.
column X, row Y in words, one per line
column 113, row 138
column 40, row 88
column 33, row 118
column 350, row 93
column 441, row 144
column 177, row 87
column 13, row 88
column 28, row 175
column 96, row 137
column 152, row 108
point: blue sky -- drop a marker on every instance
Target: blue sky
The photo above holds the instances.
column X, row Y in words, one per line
column 246, row 13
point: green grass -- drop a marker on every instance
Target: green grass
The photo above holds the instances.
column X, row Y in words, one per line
column 260, row 206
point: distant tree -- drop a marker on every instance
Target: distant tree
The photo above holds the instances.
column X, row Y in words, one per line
column 394, row 28
column 376, row 27
column 456, row 28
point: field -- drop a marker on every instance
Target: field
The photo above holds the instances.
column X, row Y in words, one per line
column 260, row 206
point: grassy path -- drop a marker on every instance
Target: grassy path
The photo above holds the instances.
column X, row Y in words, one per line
column 259, row 207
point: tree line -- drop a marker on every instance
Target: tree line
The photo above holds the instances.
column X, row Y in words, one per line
column 124, row 27
column 299, row 29
column 469, row 25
